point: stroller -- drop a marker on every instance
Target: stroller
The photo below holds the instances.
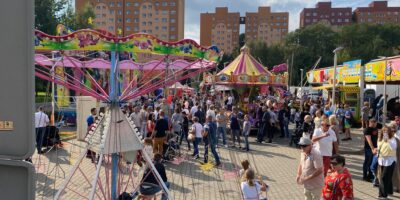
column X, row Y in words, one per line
column 171, row 148
column 296, row 135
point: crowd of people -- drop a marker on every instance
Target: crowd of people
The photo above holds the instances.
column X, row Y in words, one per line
column 320, row 129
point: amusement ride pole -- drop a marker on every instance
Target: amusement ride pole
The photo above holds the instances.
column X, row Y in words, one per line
column 302, row 91
column 114, row 104
column 334, row 74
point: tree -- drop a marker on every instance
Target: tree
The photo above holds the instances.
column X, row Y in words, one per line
column 83, row 16
column 68, row 18
column 46, row 18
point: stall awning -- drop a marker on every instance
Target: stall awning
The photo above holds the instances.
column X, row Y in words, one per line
column 343, row 88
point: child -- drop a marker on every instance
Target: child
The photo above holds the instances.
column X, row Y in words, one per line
column 148, row 147
column 245, row 165
column 251, row 188
column 246, row 132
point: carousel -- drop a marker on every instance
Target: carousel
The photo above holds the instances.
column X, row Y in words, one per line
column 248, row 78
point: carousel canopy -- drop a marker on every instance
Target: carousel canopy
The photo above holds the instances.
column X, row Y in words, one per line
column 245, row 64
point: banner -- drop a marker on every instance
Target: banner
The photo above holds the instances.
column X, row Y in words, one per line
column 62, row 93
column 350, row 72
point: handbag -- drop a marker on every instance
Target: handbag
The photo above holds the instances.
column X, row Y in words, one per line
column 192, row 134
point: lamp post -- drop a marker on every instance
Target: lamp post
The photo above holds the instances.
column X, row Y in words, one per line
column 334, row 74
column 384, row 88
column 302, row 90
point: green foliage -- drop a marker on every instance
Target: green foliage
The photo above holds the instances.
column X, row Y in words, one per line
column 46, row 14
column 82, row 17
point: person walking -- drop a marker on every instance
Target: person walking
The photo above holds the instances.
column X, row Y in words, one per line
column 235, row 127
column 387, row 146
column 221, row 127
column 265, row 125
column 160, row 133
column 310, row 170
column 326, row 142
column 197, row 128
column 185, row 129
column 210, row 140
column 246, row 132
column 370, row 148
column 338, row 185
column 41, row 122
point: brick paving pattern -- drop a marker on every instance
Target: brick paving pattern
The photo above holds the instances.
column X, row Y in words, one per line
column 276, row 162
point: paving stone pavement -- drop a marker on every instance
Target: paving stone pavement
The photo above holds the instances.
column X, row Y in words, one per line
column 276, row 162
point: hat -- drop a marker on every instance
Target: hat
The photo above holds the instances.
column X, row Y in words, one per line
column 305, row 141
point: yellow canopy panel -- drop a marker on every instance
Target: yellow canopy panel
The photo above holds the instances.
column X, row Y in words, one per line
column 340, row 88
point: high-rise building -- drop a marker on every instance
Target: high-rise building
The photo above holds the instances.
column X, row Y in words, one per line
column 161, row 18
column 324, row 13
column 377, row 12
column 220, row 28
column 267, row 26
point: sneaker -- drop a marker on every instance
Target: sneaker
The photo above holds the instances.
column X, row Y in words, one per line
column 218, row 164
column 196, row 157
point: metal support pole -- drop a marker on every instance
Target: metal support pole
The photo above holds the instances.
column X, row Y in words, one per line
column 384, row 94
column 302, row 91
column 334, row 79
column 114, row 98
column 362, row 84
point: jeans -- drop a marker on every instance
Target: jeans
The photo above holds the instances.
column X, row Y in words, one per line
column 151, row 189
column 385, row 183
column 39, row 138
column 184, row 134
column 235, row 135
column 143, row 129
column 246, row 142
column 260, row 133
column 221, row 131
column 286, row 128
column 213, row 151
column 374, row 168
column 367, row 163
column 196, row 143
column 281, row 126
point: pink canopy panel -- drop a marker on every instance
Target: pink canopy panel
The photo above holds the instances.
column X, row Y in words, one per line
column 126, row 64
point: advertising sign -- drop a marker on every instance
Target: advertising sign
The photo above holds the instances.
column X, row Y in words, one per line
column 350, row 72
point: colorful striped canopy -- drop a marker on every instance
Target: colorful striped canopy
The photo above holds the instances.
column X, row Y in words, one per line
column 245, row 64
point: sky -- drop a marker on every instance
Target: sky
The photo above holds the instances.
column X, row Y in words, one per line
column 193, row 8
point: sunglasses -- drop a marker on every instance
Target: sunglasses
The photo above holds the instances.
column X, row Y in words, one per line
column 334, row 163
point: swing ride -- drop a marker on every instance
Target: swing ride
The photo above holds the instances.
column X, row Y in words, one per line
column 109, row 79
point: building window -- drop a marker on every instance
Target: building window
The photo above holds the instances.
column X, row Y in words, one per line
column 307, row 14
column 278, row 17
column 136, row 12
column 144, row 23
column 111, row 5
column 149, row 31
column 340, row 14
column 164, row 20
column 173, row 12
column 347, row 13
column 144, row 15
column 98, row 7
column 119, row 20
column 111, row 19
column 150, row 23
column 119, row 4
column 149, row 7
column 98, row 16
column 111, row 28
column 164, row 3
column 315, row 14
column 156, row 28
column 172, row 37
column 172, row 3
column 128, row 28
column 136, row 29
column 111, row 12
column 347, row 20
column 128, row 12
column 119, row 12
column 339, row 20
column 164, row 12
column 150, row 15
column 144, row 7
column 157, row 4
column 156, row 19
column 128, row 4
column 307, row 20
column 143, row 31
column 136, row 20
column 172, row 20
column 164, row 28
column 128, row 20
column 136, row 4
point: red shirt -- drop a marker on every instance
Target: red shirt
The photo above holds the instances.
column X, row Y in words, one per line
column 338, row 186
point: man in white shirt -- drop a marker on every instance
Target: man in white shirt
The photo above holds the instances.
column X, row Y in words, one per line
column 135, row 117
column 41, row 121
column 211, row 112
column 325, row 142
column 194, row 109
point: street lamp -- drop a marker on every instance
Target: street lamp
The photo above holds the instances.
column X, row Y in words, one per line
column 302, row 90
column 334, row 74
column 387, row 71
